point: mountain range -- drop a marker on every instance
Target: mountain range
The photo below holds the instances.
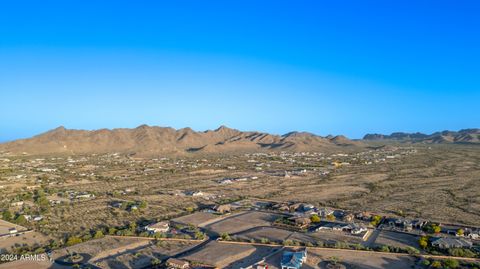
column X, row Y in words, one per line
column 153, row 140
column 462, row 136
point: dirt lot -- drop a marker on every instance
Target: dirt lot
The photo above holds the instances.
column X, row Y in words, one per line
column 397, row 239
column 29, row 238
column 196, row 219
column 116, row 252
column 242, row 222
column 142, row 256
column 270, row 233
column 228, row 255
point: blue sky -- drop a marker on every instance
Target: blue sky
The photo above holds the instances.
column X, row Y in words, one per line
column 328, row 67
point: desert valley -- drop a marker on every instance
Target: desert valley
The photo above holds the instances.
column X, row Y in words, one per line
column 153, row 197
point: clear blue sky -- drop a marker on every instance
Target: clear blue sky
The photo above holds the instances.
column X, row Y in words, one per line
column 328, row 67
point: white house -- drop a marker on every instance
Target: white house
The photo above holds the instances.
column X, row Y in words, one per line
column 159, row 227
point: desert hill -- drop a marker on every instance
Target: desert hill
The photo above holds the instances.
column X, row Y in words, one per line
column 152, row 140
column 462, row 136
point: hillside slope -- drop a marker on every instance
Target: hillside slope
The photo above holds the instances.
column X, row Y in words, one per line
column 152, row 140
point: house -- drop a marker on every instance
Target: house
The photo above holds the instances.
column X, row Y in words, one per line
column 307, row 207
column 419, row 224
column 365, row 216
column 159, row 227
column 449, row 242
column 37, row 218
column 301, row 221
column 295, row 206
column 402, row 223
column 177, row 263
column 325, row 212
column 356, row 228
column 333, row 226
column 12, row 231
column 281, row 207
column 469, row 233
column 293, row 260
column 222, row 209
column 348, row 217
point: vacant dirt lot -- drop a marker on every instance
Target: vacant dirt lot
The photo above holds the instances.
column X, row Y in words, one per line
column 29, row 238
column 397, row 239
column 228, row 255
column 196, row 219
column 242, row 222
column 269, row 233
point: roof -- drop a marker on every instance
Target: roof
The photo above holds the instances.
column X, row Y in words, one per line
column 161, row 224
column 174, row 261
column 293, row 259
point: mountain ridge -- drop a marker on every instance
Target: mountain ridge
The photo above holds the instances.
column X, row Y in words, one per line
column 471, row 136
column 154, row 140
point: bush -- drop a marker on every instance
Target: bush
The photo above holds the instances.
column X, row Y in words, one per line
column 425, row 262
column 226, row 237
column 20, row 220
column 451, row 263
column 98, row 234
column 73, row 240
column 7, row 215
column 436, row 264
column 458, row 252
column 384, row 249
column 412, row 250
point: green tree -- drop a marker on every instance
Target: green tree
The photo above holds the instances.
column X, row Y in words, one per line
column 451, row 263
column 226, row 237
column 425, row 262
column 200, row 236
column 384, row 249
column 132, row 226
column 98, row 234
column 155, row 262
column 433, row 228
column 142, row 205
column 412, row 250
column 460, row 232
column 315, row 218
column 376, row 220
column 20, row 220
column 423, row 242
column 112, row 230
column 436, row 264
column 73, row 240
column 7, row 215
